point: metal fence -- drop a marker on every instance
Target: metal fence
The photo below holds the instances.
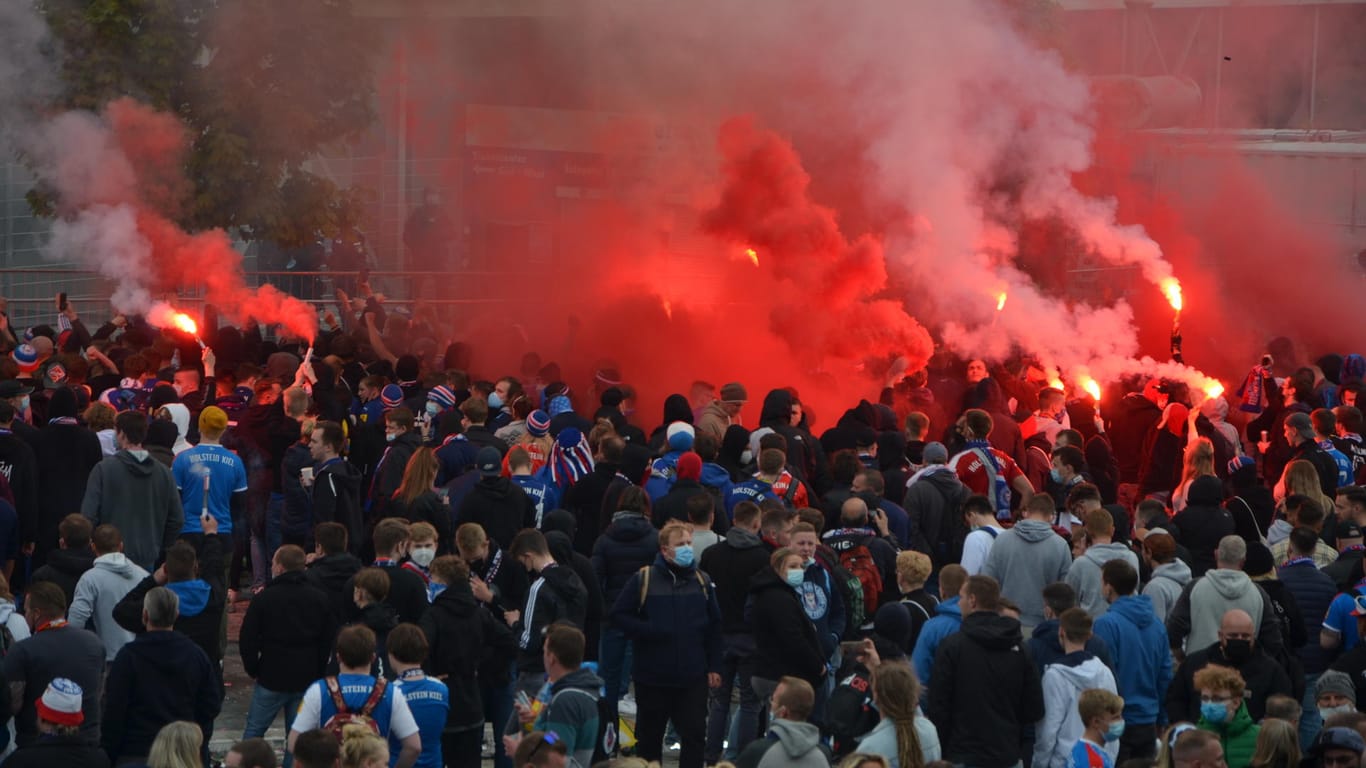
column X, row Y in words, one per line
column 31, row 293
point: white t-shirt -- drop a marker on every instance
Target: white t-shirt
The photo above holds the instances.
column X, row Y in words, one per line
column 976, row 547
column 401, row 722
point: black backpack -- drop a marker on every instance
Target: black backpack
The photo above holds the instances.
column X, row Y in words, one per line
column 850, row 714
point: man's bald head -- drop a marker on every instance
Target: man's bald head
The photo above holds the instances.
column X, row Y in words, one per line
column 854, row 512
column 1237, row 625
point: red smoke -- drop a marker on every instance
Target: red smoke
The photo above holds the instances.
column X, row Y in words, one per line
column 154, row 144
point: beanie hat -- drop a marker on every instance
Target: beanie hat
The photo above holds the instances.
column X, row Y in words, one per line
column 608, row 376
column 559, row 404
column 935, row 453
column 893, row 622
column 1259, row 560
column 406, row 368
column 680, row 436
column 61, row 703
column 162, row 433
column 27, row 358
column 734, row 392
column 391, row 396
column 611, row 397
column 442, row 396
column 162, row 394
column 689, row 466
column 1239, row 462
column 213, row 419
column 538, row 423
column 1332, row 681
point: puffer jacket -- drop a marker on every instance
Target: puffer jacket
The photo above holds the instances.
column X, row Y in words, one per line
column 629, row 544
column 1238, row 736
column 677, row 628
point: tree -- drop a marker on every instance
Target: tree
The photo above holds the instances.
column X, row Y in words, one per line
column 261, row 85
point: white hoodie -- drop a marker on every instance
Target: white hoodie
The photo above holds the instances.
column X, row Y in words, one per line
column 1061, row 725
column 180, row 416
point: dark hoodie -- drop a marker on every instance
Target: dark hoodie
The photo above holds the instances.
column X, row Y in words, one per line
column 562, row 549
column 1203, row 523
column 160, row 441
column 201, row 602
column 629, row 544
column 557, row 594
column 66, row 453
column 804, row 454
column 676, row 408
column 584, row 502
column 1130, row 422
column 635, row 462
column 1045, row 648
column 466, row 644
column 64, row 568
column 784, row 638
column 157, row 678
column 137, row 495
column 389, row 473
column 336, row 499
column 935, row 499
column 994, row 694
column 733, row 447
column 732, row 564
column 330, row 573
column 1250, row 503
column 844, row 435
column 500, row 507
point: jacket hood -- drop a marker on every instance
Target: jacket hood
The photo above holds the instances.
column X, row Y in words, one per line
column 379, row 617
column 861, row 415
column 457, row 600
column 561, row 520
column 343, row 474
column 714, row 475
column 992, row 630
column 946, row 482
column 1047, row 632
column 558, row 578
column 1136, row 608
column 166, row 651
column 988, row 396
column 739, row 538
column 1205, row 492
column 1100, row 554
column 948, row 608
column 582, row 679
column 767, row 579
column 631, row 527
column 797, row 739
column 733, row 444
column 1034, row 530
column 1215, row 409
column 1135, row 403
column 193, row 594
column 496, row 487
column 138, row 466
column 116, row 562
column 1082, row 670
column 180, row 416
column 1176, row 570
column 1228, row 583
column 777, row 407
column 72, row 562
column 561, row 547
column 6, row 611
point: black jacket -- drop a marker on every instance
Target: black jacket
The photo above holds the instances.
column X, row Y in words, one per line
column 1203, row 523
column 331, row 574
column 1264, row 677
column 392, row 462
column 584, row 500
column 1345, row 571
column 674, row 504
column 66, row 751
column 296, row 517
column 595, row 609
column 427, row 508
column 19, row 465
column 199, row 623
column 337, row 499
column 1045, row 649
column 466, row 646
column 505, row 578
column 987, row 694
column 804, row 453
column 1312, row 591
column 500, row 507
column 407, row 594
column 784, row 638
column 629, row 544
column 1130, row 422
column 287, row 634
column 1324, row 465
column 557, row 594
column 158, row 678
column 65, row 453
column 64, row 568
column 935, row 501
column 732, row 565
column 481, row 436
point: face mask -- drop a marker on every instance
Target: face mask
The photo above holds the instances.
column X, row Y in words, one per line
column 423, row 556
column 795, row 578
column 746, row 456
column 432, row 408
column 1055, row 475
column 1327, row 712
column 390, row 437
column 1237, row 651
column 1115, row 730
column 808, row 562
column 1213, row 711
column 24, row 403
column 495, row 402
column 683, row 555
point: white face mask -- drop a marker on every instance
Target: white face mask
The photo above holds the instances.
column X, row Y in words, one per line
column 423, row 556
column 1327, row 712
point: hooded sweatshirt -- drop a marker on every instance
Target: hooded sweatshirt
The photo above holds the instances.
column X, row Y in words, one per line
column 570, row 709
column 1084, row 575
column 1221, row 590
column 135, row 493
column 948, row 618
column 1024, row 560
column 787, row 743
column 1165, row 586
column 1061, row 725
column 98, row 591
column 180, row 416
column 1143, row 663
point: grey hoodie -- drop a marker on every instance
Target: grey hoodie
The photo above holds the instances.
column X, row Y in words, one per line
column 1217, row 592
column 1165, row 586
column 1024, row 560
column 98, row 591
column 135, row 493
column 1084, row 575
column 1061, row 725
column 798, row 744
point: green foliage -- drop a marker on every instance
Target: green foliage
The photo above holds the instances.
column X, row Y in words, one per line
column 261, row 85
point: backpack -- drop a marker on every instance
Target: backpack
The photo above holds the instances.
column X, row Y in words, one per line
column 849, row 713
column 850, row 589
column 344, row 717
column 858, row 561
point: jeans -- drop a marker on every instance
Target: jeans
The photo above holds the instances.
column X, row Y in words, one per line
column 736, row 671
column 265, row 705
column 686, row 706
column 614, row 659
column 1139, row 740
column 263, row 547
column 497, row 710
column 1310, row 722
column 463, row 749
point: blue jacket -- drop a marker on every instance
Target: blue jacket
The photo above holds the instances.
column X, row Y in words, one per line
column 629, row 544
column 677, row 632
column 1045, row 649
column 663, row 473
column 1313, row 591
column 716, row 476
column 948, row 619
column 1142, row 660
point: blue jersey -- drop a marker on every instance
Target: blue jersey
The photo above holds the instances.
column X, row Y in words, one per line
column 1346, row 475
column 543, row 494
column 1341, row 620
column 753, row 489
column 225, row 474
column 429, row 700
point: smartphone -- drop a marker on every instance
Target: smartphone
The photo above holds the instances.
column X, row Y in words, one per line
column 850, row 649
column 61, row 301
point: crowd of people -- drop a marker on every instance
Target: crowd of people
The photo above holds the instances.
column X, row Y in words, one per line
column 971, row 567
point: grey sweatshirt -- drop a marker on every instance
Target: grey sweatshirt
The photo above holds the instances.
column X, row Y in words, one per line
column 98, row 591
column 135, row 493
column 1025, row 559
column 1165, row 586
column 1084, row 575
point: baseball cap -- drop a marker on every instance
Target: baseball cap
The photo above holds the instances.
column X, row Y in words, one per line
column 679, row 436
column 1337, row 738
column 61, row 703
column 489, row 461
column 935, row 453
column 1301, row 423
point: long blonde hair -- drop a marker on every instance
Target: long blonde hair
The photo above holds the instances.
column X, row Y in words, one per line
column 1278, row 745
column 860, row 759
column 177, row 746
column 1301, row 477
column 897, row 692
column 1198, row 462
column 418, row 476
column 360, row 745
